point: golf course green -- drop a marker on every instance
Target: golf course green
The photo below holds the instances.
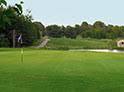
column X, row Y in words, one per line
column 61, row 71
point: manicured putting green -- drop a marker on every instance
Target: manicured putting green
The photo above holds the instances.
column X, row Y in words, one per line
column 61, row 71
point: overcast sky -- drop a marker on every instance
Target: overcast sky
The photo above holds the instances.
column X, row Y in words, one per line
column 69, row 12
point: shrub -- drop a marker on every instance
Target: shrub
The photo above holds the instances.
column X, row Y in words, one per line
column 4, row 42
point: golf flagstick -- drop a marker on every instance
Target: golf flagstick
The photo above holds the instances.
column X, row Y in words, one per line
column 22, row 51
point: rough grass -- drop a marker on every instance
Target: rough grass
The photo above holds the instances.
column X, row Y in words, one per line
column 65, row 43
column 61, row 71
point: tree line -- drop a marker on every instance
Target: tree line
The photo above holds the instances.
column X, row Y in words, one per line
column 99, row 30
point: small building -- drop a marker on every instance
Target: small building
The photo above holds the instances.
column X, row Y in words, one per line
column 120, row 43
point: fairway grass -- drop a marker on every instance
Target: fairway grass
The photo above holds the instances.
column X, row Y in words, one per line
column 61, row 71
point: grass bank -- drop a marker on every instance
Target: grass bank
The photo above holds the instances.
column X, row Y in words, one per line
column 65, row 43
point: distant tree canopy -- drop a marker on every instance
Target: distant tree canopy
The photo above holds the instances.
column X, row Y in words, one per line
column 54, row 31
column 98, row 30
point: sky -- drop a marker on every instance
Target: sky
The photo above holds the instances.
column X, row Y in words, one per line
column 70, row 12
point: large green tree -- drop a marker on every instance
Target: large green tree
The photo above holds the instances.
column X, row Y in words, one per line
column 54, row 31
column 70, row 32
column 13, row 23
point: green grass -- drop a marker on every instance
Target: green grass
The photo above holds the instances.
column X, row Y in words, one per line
column 65, row 43
column 61, row 71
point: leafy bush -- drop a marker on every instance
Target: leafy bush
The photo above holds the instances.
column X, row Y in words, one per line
column 3, row 41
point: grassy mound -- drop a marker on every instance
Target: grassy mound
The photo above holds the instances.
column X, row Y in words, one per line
column 64, row 43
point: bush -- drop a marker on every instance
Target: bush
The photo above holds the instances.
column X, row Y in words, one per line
column 4, row 42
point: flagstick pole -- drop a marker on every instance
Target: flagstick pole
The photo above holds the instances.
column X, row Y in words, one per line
column 21, row 46
column 22, row 52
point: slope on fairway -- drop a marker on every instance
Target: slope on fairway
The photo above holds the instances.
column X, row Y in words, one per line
column 61, row 71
